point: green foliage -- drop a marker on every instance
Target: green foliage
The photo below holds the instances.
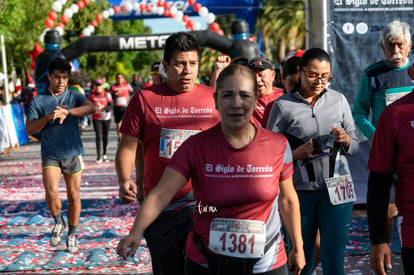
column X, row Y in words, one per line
column 282, row 23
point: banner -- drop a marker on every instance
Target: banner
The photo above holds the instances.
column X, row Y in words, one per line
column 355, row 43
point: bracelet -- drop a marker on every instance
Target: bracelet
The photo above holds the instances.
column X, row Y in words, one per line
column 68, row 112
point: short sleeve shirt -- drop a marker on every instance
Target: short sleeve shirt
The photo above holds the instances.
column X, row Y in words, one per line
column 162, row 120
column 58, row 141
column 236, row 183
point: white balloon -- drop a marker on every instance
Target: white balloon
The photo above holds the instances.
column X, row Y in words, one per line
column 86, row 32
column 154, row 9
column 68, row 12
column 60, row 30
column 128, row 6
column 203, row 11
column 111, row 11
column 136, row 6
column 160, row 10
column 210, row 18
column 154, row 2
column 91, row 28
column 105, row 14
column 173, row 10
column 197, row 26
column 42, row 36
column 74, row 8
column 57, row 6
column 62, row 1
column 179, row 15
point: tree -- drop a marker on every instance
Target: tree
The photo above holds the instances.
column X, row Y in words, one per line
column 283, row 26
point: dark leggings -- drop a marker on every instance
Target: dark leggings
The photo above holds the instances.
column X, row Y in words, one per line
column 101, row 128
column 407, row 258
column 192, row 268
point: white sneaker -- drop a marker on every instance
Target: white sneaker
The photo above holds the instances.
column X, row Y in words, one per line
column 105, row 158
column 56, row 238
column 99, row 160
column 71, row 244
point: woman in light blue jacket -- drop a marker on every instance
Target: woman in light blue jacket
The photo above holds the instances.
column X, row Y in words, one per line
column 319, row 126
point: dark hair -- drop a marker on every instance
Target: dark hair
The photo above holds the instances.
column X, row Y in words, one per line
column 59, row 64
column 236, row 69
column 179, row 41
column 291, row 66
column 312, row 54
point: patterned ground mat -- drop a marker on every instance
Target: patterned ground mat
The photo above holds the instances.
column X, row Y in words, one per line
column 25, row 225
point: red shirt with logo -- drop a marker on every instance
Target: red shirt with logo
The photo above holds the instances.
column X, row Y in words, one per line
column 236, row 184
column 162, row 119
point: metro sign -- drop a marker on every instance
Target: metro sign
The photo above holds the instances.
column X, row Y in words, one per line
column 148, row 42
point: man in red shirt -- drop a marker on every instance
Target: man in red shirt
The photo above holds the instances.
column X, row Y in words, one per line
column 157, row 121
column 265, row 75
column 392, row 153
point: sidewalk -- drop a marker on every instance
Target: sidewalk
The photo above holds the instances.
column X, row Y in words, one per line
column 25, row 222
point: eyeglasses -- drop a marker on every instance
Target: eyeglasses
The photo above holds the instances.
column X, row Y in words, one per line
column 313, row 77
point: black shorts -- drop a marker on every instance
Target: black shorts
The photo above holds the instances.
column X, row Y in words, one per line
column 119, row 113
column 69, row 166
column 166, row 238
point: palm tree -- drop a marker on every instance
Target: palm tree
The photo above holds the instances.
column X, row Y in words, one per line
column 282, row 25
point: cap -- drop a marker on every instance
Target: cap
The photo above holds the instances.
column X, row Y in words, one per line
column 260, row 63
column 155, row 67
column 97, row 82
column 241, row 60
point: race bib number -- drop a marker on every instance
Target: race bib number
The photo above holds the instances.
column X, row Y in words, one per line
column 171, row 139
column 390, row 98
column 341, row 189
column 237, row 238
column 121, row 101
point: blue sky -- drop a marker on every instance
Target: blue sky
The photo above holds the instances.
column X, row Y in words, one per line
column 169, row 25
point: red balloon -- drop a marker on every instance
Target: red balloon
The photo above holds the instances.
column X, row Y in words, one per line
column 185, row 18
column 81, row 35
column 214, row 26
column 99, row 17
column 64, row 18
column 123, row 9
column 94, row 23
column 172, row 15
column 52, row 15
column 220, row 31
column 166, row 13
column 116, row 9
column 60, row 24
column 142, row 7
column 191, row 2
column 167, row 5
column 49, row 23
column 160, row 3
column 197, row 7
column 80, row 4
column 86, row 2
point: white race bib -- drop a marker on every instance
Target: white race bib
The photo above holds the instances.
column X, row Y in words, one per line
column 171, row 139
column 390, row 98
column 341, row 189
column 121, row 101
column 238, row 238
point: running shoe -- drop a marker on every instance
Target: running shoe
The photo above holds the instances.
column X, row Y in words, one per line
column 105, row 158
column 98, row 160
column 72, row 244
column 56, row 238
